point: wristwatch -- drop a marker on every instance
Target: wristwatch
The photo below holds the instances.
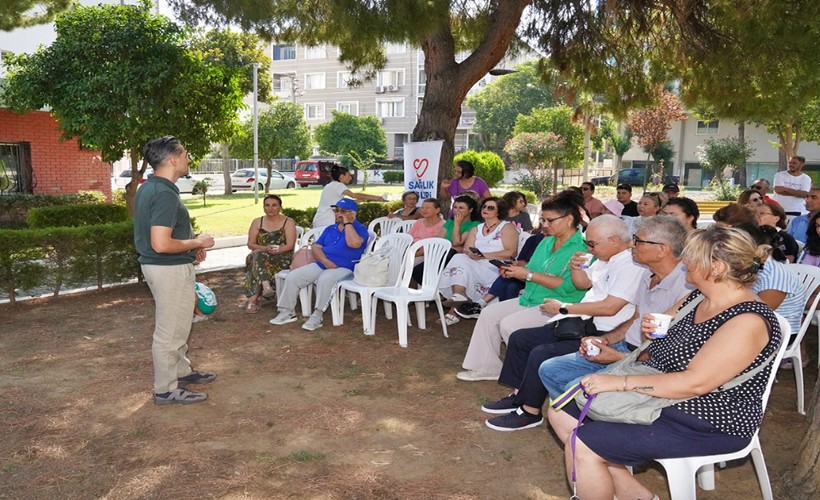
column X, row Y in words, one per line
column 347, row 223
column 563, row 309
column 529, row 276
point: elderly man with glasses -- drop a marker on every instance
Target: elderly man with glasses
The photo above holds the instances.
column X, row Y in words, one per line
column 336, row 250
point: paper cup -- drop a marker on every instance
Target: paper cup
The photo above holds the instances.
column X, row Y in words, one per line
column 588, row 261
column 661, row 322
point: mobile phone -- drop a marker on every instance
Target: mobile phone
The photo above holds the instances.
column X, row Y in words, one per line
column 476, row 251
column 500, row 263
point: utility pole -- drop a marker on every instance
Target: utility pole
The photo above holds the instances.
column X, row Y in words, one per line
column 255, row 134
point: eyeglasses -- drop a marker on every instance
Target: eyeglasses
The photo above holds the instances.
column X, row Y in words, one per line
column 550, row 221
column 757, row 187
column 337, row 210
column 636, row 240
column 592, row 244
column 489, row 208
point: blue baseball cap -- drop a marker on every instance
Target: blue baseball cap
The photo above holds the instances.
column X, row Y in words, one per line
column 346, row 204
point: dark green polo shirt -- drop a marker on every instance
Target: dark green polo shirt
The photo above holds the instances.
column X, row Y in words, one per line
column 158, row 204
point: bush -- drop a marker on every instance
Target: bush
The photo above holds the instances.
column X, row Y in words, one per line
column 539, row 183
column 488, row 165
column 530, row 196
column 76, row 215
column 14, row 207
column 393, row 176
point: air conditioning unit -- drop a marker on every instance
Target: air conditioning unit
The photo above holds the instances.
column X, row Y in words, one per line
column 380, row 90
column 393, row 88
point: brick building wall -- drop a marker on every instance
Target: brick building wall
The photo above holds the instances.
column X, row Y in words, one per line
column 59, row 167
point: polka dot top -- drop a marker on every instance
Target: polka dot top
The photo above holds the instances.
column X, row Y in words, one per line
column 737, row 411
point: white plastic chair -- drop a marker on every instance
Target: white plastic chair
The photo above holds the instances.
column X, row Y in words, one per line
column 535, row 213
column 372, row 238
column 305, row 294
column 810, row 277
column 300, row 231
column 397, row 245
column 402, row 226
column 382, row 225
column 681, row 472
column 435, row 251
column 523, row 236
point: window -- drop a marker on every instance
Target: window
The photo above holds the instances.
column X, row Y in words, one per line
column 390, row 77
column 350, row 107
column 422, row 81
column 708, row 127
column 315, row 111
column 16, row 175
column 283, row 85
column 342, row 77
column 314, row 81
column 396, row 48
column 390, row 108
column 315, row 53
column 284, row 52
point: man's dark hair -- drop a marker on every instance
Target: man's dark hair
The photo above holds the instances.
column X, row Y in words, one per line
column 337, row 171
column 801, row 159
column 158, row 150
column 625, row 187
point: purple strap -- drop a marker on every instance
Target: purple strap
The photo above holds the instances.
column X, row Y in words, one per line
column 581, row 417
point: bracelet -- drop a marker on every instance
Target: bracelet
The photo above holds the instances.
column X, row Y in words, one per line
column 626, row 377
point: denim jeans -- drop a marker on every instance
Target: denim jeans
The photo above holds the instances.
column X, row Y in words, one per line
column 560, row 372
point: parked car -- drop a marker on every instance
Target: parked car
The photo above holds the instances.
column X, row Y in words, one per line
column 315, row 171
column 185, row 184
column 631, row 177
column 243, row 179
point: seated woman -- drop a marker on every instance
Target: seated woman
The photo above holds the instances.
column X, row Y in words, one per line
column 430, row 223
column 728, row 333
column 464, row 179
column 410, row 210
column 468, row 275
column 811, row 252
column 650, row 204
column 750, row 198
column 685, row 210
column 732, row 215
column 271, row 239
column 772, row 214
column 518, row 214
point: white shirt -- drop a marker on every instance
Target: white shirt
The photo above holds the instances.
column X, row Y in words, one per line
column 331, row 194
column 801, row 182
column 658, row 299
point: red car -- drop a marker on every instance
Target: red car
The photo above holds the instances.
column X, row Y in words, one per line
column 310, row 172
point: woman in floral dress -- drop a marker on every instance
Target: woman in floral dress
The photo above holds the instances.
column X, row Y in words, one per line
column 271, row 239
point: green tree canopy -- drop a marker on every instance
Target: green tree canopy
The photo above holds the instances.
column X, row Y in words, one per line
column 498, row 104
column 557, row 120
column 488, row 165
column 283, row 133
column 345, row 133
column 22, row 13
column 118, row 76
column 236, row 51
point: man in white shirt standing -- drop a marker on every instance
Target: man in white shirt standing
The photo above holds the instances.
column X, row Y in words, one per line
column 791, row 186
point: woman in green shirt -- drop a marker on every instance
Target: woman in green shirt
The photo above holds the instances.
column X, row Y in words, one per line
column 465, row 217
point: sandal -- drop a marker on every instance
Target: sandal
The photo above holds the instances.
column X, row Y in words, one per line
column 449, row 319
column 251, row 308
column 268, row 292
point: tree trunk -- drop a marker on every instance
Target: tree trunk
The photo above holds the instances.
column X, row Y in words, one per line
column 226, row 166
column 804, row 480
column 587, row 149
column 136, row 179
column 741, row 170
column 448, row 81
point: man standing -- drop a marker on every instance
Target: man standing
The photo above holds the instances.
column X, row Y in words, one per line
column 624, row 195
column 593, row 205
column 792, row 186
column 799, row 226
column 167, row 250
column 762, row 187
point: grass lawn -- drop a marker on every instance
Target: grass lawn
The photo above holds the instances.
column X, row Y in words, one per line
column 231, row 215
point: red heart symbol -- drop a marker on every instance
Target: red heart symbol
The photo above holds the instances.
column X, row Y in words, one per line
column 420, row 164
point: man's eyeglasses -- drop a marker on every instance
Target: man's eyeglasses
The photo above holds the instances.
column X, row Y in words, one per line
column 592, row 244
column 339, row 210
column 489, row 208
column 636, row 240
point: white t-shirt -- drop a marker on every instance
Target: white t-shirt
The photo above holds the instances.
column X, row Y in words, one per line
column 801, row 182
column 331, row 194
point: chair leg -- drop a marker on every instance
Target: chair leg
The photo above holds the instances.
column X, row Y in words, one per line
column 797, row 364
column 706, row 477
column 401, row 322
column 441, row 316
column 681, row 477
column 353, row 304
column 388, row 310
column 337, row 312
column 421, row 315
column 762, row 473
column 367, row 302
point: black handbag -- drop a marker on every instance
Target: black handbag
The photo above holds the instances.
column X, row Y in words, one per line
column 574, row 328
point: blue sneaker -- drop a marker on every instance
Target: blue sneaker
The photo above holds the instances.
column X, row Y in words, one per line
column 502, row 406
column 515, row 421
column 197, row 378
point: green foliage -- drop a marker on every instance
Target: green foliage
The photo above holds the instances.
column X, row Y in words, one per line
column 21, row 257
column 530, row 196
column 302, row 218
column 557, row 120
column 722, row 189
column 283, row 133
column 488, row 165
column 393, row 176
column 345, row 134
column 75, row 215
column 22, row 13
column 118, row 76
column 367, row 212
column 201, row 187
column 14, row 208
column 538, row 182
column 498, row 104
column 236, row 51
column 717, row 155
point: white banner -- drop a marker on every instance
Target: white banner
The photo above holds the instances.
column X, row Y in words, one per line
column 421, row 161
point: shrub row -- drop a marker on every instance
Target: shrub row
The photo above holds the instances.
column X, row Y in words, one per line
column 76, row 215
column 15, row 207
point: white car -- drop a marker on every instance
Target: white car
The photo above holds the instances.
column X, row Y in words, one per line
column 244, row 179
column 184, row 184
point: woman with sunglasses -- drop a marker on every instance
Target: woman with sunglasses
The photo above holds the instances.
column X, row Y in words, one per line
column 469, row 275
column 271, row 239
column 750, row 198
column 772, row 214
column 651, row 203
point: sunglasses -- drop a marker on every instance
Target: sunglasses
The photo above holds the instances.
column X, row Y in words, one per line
column 757, row 187
column 489, row 208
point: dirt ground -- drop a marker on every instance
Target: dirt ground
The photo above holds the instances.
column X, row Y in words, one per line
column 294, row 414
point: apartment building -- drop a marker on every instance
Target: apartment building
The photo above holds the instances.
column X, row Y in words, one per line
column 314, row 78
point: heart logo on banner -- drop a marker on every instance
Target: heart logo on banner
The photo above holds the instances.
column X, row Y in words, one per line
column 421, row 164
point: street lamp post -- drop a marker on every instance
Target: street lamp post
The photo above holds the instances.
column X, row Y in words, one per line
column 255, row 134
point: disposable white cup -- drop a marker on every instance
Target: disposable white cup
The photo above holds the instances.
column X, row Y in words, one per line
column 588, row 260
column 661, row 322
column 592, row 349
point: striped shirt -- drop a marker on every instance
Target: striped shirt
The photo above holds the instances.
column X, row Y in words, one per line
column 776, row 276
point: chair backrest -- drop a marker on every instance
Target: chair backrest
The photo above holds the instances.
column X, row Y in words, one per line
column 402, row 226
column 787, row 331
column 435, row 252
column 397, row 244
column 300, row 231
column 382, row 225
column 309, row 237
column 809, row 276
column 535, row 213
column 522, row 238
column 372, row 238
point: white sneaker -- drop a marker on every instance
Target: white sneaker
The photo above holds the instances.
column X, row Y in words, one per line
column 314, row 322
column 284, row 318
column 197, row 318
column 474, row 376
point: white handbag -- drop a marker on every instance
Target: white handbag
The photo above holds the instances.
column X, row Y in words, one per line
column 373, row 269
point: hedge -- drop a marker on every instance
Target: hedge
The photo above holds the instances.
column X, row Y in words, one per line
column 393, row 176
column 76, row 215
column 15, row 207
